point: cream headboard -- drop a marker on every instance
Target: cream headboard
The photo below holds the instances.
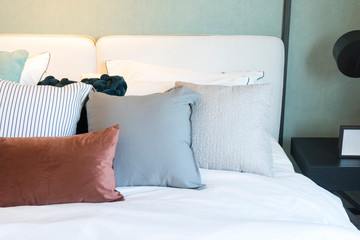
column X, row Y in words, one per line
column 220, row 53
column 73, row 55
column 70, row 55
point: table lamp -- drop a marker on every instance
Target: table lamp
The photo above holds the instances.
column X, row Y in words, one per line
column 347, row 54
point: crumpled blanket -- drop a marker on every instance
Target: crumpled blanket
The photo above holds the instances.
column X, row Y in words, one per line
column 112, row 85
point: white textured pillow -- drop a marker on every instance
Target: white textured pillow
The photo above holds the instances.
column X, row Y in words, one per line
column 40, row 111
column 162, row 78
column 228, row 128
column 34, row 69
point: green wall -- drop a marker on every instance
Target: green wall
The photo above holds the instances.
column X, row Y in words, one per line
column 318, row 99
column 105, row 17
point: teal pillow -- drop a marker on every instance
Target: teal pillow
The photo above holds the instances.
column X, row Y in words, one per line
column 12, row 64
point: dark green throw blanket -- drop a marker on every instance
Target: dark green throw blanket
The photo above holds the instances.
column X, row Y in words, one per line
column 112, row 85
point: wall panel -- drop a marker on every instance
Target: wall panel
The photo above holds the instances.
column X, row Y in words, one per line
column 319, row 98
column 105, row 17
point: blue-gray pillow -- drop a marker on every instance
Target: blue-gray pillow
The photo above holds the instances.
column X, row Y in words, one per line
column 12, row 64
column 154, row 147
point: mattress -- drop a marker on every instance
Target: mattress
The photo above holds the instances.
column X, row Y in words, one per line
column 232, row 206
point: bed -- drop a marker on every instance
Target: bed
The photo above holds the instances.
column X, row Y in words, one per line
column 233, row 205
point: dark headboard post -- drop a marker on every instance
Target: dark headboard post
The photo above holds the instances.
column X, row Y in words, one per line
column 285, row 37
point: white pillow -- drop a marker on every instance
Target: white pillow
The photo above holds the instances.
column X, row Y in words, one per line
column 137, row 74
column 228, row 128
column 281, row 162
column 140, row 88
column 34, row 69
column 40, row 111
column 90, row 75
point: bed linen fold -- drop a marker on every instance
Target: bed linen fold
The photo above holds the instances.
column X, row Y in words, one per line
column 233, row 206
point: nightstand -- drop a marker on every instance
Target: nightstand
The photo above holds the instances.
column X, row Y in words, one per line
column 318, row 160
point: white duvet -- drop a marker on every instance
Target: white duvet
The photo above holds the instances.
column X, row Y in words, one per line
column 233, row 206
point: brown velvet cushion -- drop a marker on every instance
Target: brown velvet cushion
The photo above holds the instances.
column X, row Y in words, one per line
column 49, row 170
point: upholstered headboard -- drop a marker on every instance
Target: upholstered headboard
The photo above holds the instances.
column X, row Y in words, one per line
column 70, row 56
column 73, row 55
column 218, row 53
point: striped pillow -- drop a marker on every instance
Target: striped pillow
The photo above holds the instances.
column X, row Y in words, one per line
column 40, row 111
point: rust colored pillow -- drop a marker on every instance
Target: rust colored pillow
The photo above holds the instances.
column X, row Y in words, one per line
column 49, row 170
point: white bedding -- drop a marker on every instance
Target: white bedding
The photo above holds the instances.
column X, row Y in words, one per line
column 233, row 206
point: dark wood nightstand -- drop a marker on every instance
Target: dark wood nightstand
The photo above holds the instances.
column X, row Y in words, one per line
column 318, row 160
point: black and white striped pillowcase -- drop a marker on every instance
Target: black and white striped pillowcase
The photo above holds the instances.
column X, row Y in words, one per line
column 40, row 111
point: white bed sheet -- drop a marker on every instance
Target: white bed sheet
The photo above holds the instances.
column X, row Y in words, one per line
column 233, row 206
